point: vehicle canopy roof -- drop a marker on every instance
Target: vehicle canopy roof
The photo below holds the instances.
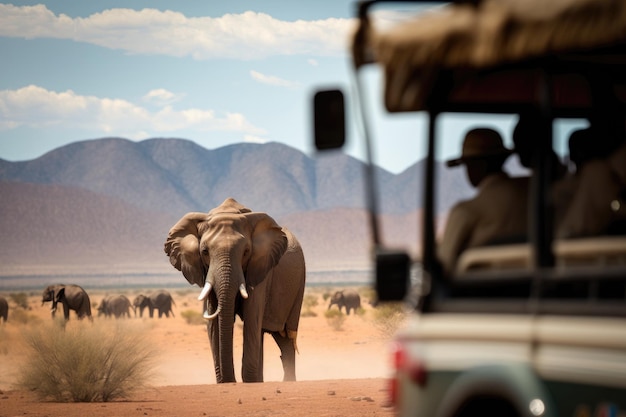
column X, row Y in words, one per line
column 492, row 55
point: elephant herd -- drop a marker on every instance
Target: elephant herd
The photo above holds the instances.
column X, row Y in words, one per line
column 74, row 297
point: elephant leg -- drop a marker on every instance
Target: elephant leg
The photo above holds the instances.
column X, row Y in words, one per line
column 287, row 355
column 261, row 356
column 252, row 361
column 66, row 311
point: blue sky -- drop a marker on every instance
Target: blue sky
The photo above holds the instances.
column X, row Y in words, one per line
column 213, row 72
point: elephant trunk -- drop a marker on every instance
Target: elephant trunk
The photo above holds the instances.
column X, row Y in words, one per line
column 225, row 326
column 227, row 282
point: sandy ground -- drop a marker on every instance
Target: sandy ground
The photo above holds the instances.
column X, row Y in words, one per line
column 340, row 372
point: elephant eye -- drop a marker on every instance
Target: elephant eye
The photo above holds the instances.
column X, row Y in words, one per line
column 205, row 250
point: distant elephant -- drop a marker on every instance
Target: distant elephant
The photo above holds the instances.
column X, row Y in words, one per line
column 4, row 310
column 350, row 300
column 72, row 297
column 247, row 265
column 115, row 305
column 160, row 300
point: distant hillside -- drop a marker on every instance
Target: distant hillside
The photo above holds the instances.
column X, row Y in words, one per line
column 107, row 205
column 176, row 176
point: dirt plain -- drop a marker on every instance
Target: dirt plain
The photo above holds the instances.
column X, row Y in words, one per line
column 341, row 372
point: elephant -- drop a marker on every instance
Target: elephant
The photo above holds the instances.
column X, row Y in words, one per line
column 246, row 265
column 4, row 310
column 115, row 305
column 71, row 296
column 159, row 300
column 350, row 300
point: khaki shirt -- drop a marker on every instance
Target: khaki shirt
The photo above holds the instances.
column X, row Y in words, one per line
column 596, row 202
column 498, row 211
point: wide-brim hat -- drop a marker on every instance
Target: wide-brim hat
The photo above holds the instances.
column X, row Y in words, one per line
column 480, row 144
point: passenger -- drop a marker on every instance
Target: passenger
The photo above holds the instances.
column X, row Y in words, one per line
column 598, row 206
column 525, row 141
column 581, row 150
column 498, row 213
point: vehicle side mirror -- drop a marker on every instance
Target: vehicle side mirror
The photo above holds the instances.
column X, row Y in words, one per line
column 393, row 271
column 329, row 119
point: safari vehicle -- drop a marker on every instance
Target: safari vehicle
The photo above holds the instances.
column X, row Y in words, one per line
column 531, row 328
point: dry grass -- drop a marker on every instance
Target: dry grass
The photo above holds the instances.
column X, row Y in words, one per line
column 193, row 317
column 335, row 319
column 86, row 362
column 308, row 305
column 388, row 317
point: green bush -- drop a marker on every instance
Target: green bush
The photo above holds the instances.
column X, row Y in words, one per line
column 193, row 317
column 86, row 362
column 335, row 318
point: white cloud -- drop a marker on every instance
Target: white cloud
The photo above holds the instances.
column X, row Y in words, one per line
column 271, row 80
column 254, row 139
column 162, row 97
column 36, row 107
column 313, row 62
column 248, row 35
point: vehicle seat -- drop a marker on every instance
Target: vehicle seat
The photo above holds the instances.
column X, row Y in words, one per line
column 591, row 251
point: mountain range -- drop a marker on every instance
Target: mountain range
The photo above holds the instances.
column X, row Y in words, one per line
column 105, row 205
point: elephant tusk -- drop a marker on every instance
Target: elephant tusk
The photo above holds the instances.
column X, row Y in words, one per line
column 205, row 291
column 242, row 290
column 208, row 316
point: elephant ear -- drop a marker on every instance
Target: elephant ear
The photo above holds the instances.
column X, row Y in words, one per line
column 58, row 294
column 183, row 247
column 269, row 244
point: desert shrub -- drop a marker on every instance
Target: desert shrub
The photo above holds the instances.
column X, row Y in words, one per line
column 309, row 302
column 18, row 315
column 20, row 299
column 335, row 319
column 388, row 317
column 193, row 317
column 86, row 362
column 360, row 311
